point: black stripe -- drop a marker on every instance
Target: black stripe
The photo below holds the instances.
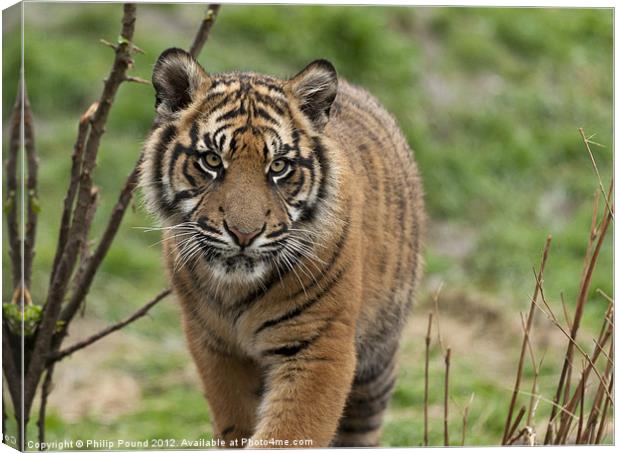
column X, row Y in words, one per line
column 193, row 211
column 291, row 350
column 277, row 233
column 262, row 113
column 309, row 211
column 367, row 410
column 300, row 185
column 189, row 177
column 268, row 84
column 185, row 194
column 385, row 391
column 344, row 428
column 203, row 222
column 166, row 138
column 179, row 150
column 375, row 372
column 233, row 113
column 228, row 430
column 270, row 102
column 303, row 307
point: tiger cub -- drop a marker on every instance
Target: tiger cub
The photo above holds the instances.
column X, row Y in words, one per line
column 292, row 214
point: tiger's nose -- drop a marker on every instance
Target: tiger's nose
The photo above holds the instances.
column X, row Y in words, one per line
column 243, row 237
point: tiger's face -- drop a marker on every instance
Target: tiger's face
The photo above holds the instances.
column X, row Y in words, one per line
column 236, row 167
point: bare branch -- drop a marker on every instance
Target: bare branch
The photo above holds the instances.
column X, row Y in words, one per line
column 84, row 279
column 446, row 389
column 581, row 404
column 515, row 425
column 137, row 80
column 78, row 231
column 32, row 201
column 587, row 142
column 45, row 391
column 528, row 327
column 427, row 343
column 571, row 340
column 108, row 330
column 76, row 167
column 12, row 202
column 9, row 367
column 581, row 301
column 203, row 32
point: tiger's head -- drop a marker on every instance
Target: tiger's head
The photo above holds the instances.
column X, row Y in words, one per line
column 236, row 166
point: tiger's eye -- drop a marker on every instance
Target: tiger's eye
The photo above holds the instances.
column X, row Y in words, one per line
column 213, row 160
column 278, row 166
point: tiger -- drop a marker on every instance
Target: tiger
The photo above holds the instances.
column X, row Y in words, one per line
column 292, row 217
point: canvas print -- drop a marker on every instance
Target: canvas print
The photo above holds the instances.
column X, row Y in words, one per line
column 306, row 226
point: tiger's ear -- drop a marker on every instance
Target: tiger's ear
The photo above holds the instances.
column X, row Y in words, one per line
column 176, row 77
column 315, row 89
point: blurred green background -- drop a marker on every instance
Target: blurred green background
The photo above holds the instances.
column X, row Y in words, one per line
column 490, row 100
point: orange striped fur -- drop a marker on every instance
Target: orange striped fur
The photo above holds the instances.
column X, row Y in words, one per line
column 292, row 215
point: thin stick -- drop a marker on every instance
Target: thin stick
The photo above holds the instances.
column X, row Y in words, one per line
column 569, row 323
column 427, row 341
column 45, row 391
column 601, row 427
column 438, row 321
column 574, row 343
column 465, row 418
column 203, row 32
column 602, row 293
column 76, row 167
column 536, row 372
column 581, row 404
column 530, row 318
column 586, row 142
column 32, row 163
column 581, row 300
column 108, row 330
column 516, row 422
column 598, row 400
column 546, row 400
column 12, row 373
column 562, row 433
column 446, row 438
column 11, row 204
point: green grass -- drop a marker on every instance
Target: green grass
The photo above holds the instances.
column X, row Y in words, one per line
column 489, row 99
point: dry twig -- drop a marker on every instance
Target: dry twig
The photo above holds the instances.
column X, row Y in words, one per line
column 203, row 31
column 108, row 330
column 427, row 342
column 530, row 318
column 446, row 437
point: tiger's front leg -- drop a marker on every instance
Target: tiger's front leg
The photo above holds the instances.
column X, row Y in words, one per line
column 232, row 386
column 306, row 388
